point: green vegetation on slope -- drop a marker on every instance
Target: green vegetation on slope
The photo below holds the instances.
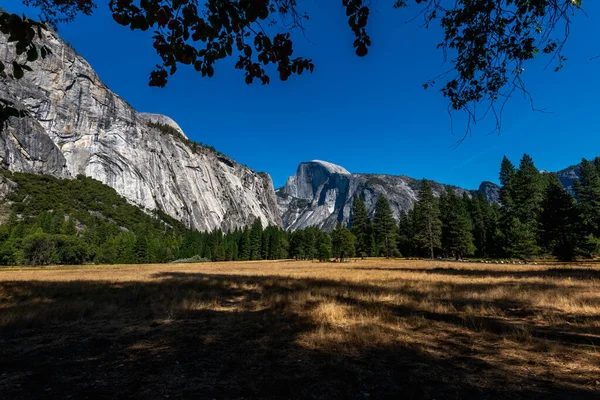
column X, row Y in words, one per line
column 62, row 221
column 80, row 220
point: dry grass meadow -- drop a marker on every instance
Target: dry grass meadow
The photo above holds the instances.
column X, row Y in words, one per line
column 366, row 329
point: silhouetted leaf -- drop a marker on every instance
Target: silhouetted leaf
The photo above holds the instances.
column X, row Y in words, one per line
column 32, row 54
column 17, row 70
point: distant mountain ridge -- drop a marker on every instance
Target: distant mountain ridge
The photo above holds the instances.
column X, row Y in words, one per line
column 321, row 193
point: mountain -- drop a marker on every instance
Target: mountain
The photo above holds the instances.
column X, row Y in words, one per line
column 77, row 126
column 568, row 176
column 490, row 191
column 321, row 194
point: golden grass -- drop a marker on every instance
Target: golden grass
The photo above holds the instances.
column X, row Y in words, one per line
column 365, row 329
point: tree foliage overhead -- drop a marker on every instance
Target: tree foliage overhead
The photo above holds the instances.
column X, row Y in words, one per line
column 485, row 43
column 488, row 42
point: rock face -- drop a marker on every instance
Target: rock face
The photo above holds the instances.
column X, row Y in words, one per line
column 321, row 194
column 76, row 125
column 164, row 120
column 569, row 176
column 491, row 191
column 7, row 187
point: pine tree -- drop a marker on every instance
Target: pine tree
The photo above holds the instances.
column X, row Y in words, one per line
column 297, row 245
column 521, row 198
column 523, row 243
column 322, row 238
column 370, row 240
column 285, row 245
column 492, row 224
column 59, row 219
column 445, row 215
column 427, row 216
column 484, row 219
column 384, row 228
column 560, row 222
column 46, row 221
column 527, row 192
column 156, row 250
column 274, row 244
column 477, row 222
column 596, row 163
column 342, row 241
column 125, row 248
column 507, row 173
column 140, row 248
column 219, row 247
column 359, row 225
column 244, row 246
column 310, row 242
column 68, row 226
column 256, row 240
column 406, row 234
column 457, row 229
column 108, row 252
column 324, row 252
column 265, row 244
column 587, row 190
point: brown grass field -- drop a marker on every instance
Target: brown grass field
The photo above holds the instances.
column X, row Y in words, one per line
column 366, row 329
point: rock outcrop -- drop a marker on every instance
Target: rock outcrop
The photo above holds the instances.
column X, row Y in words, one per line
column 76, row 125
column 490, row 190
column 569, row 176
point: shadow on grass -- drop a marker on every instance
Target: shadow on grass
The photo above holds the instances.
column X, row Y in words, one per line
column 225, row 336
column 573, row 273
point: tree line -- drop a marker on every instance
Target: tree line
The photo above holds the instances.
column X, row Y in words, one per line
column 536, row 217
column 62, row 221
column 45, row 220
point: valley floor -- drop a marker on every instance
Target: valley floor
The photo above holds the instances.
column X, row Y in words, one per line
column 364, row 329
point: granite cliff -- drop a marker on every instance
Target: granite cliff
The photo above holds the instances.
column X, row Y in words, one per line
column 77, row 125
column 321, row 194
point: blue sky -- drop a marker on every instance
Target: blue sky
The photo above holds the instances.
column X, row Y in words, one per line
column 366, row 114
